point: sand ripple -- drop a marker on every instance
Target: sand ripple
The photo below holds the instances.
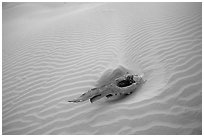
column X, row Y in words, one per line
column 52, row 54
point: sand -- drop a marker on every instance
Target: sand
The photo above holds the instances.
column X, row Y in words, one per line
column 55, row 52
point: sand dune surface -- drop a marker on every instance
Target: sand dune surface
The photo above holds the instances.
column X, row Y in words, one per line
column 54, row 52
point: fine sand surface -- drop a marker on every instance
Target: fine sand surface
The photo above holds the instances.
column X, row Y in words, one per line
column 53, row 53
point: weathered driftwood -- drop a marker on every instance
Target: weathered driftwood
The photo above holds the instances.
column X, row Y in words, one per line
column 120, row 86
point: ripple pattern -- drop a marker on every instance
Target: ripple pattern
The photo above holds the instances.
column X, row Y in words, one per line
column 55, row 53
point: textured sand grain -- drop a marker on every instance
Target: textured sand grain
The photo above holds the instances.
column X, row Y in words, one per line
column 54, row 52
